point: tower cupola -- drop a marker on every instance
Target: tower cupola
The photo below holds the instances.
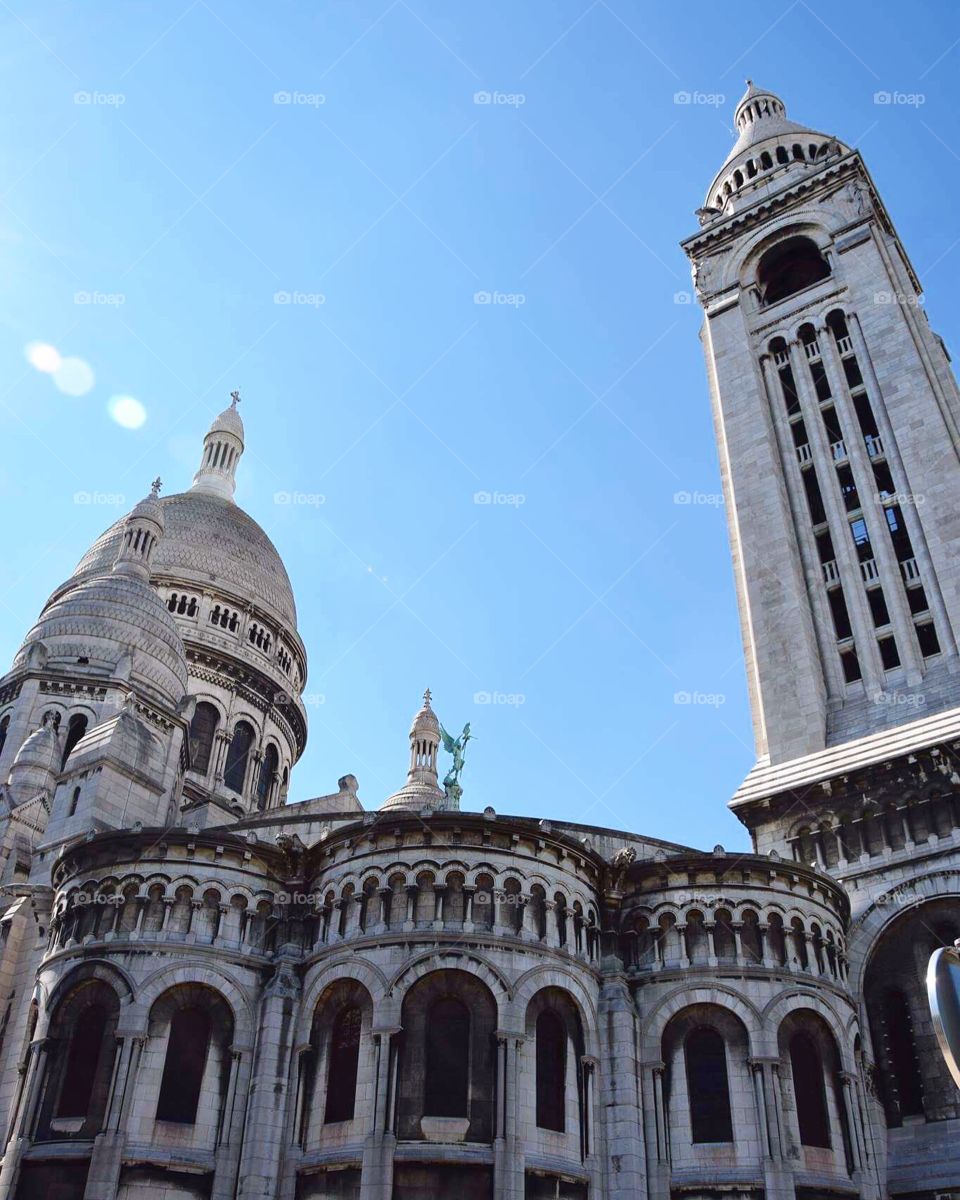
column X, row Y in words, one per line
column 142, row 530
column 222, row 448
column 422, row 788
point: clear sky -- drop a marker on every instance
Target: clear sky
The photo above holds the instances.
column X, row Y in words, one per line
column 157, row 202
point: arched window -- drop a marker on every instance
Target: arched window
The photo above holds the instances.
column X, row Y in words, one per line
column 447, row 1059
column 790, row 266
column 203, row 726
column 551, row 1071
column 235, row 771
column 4, row 726
column 86, row 1043
column 75, row 731
column 343, row 1061
column 268, row 774
column 707, row 1086
column 184, row 1066
column 809, row 1092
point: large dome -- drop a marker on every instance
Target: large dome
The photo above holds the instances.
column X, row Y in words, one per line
column 209, row 540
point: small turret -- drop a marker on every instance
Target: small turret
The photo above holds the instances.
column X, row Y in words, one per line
column 222, row 448
column 142, row 529
column 422, row 788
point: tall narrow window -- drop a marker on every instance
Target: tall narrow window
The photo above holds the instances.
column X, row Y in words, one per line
column 342, row 1068
column 809, row 1092
column 4, row 726
column 902, row 1052
column 707, row 1086
column 551, row 1071
column 184, row 1066
column 235, row 771
column 75, row 731
column 268, row 774
column 83, row 1056
column 202, row 730
column 448, row 1059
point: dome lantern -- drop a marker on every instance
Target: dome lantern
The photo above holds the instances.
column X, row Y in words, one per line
column 222, row 448
column 422, row 789
column 142, row 530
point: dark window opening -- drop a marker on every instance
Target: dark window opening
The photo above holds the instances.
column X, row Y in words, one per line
column 235, row 771
column 814, row 499
column 75, row 731
column 790, row 397
column 883, row 478
column 864, row 409
column 820, row 381
column 809, row 1092
column 74, row 801
column 789, row 267
column 878, row 607
column 848, row 488
column 267, row 776
column 83, row 1057
column 343, row 1064
column 889, row 654
column 708, row 1087
column 551, row 1071
column 203, row 726
column 917, row 599
column 927, row 637
column 851, row 666
column 852, row 372
column 902, row 546
column 837, row 323
column 902, row 1054
column 4, row 726
column 448, row 1059
column 799, row 431
column 831, row 423
column 825, row 547
column 184, row 1066
column 838, row 610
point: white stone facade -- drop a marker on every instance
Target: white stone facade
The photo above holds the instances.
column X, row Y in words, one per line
column 208, row 993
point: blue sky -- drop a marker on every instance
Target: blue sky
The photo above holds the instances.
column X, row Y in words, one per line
column 155, row 198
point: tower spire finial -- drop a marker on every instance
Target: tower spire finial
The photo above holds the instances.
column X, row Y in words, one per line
column 156, row 486
column 234, row 399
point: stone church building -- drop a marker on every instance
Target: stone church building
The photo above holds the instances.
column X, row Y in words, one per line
column 208, row 991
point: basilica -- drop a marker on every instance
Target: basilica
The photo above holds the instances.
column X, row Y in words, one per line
column 212, row 991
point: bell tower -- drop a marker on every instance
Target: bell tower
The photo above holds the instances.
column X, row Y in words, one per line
column 837, row 418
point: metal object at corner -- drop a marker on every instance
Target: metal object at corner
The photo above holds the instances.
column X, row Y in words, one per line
column 943, row 996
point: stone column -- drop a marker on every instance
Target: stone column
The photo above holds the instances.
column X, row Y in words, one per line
column 23, row 1121
column 619, row 1096
column 267, row 1114
column 229, row 1134
column 376, row 1173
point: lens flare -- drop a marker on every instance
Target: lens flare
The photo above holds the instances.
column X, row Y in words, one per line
column 43, row 356
column 127, row 411
column 73, row 377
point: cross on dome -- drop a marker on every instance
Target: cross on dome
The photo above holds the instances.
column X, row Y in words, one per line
column 156, row 486
column 234, row 399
